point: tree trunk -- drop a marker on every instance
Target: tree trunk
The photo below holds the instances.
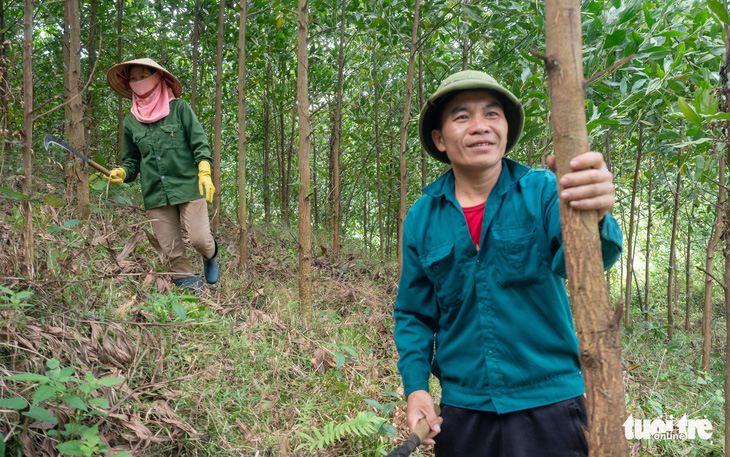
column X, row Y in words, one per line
column 709, row 266
column 726, row 279
column 687, row 266
column 196, row 40
column 4, row 90
column 120, row 99
column 305, row 224
column 630, row 256
column 243, row 230
column 365, row 222
column 336, row 137
column 76, row 123
column 647, row 276
column 28, row 137
column 424, row 168
column 218, row 117
column 281, row 163
column 90, row 120
column 597, row 324
column 404, row 134
column 266, row 172
column 381, row 232
column 726, row 99
column 672, row 277
column 315, row 208
column 290, row 157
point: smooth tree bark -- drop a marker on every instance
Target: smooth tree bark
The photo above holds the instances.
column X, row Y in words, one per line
column 647, row 251
column 630, row 253
column 376, row 126
column 424, row 168
column 120, row 99
column 336, row 139
column 725, row 104
column 305, row 224
column 596, row 322
column 672, row 276
column 218, row 117
column 687, row 270
column 76, row 107
column 196, row 42
column 90, row 120
column 709, row 268
column 266, row 172
column 27, row 208
column 403, row 135
column 242, row 228
column 4, row 89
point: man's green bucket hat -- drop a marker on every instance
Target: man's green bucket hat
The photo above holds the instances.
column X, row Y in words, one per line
column 468, row 80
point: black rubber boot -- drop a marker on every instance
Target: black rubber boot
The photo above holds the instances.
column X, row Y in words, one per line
column 193, row 283
column 210, row 267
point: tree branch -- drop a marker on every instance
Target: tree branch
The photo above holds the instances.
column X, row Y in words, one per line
column 550, row 62
column 91, row 77
column 710, row 275
column 607, row 70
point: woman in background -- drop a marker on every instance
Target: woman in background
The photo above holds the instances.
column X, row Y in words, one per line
column 164, row 142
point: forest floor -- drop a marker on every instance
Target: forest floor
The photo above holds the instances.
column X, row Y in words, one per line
column 99, row 351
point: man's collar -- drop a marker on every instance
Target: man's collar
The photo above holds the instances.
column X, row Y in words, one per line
column 511, row 173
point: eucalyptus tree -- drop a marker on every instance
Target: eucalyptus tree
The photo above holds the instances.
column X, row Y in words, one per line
column 305, row 224
column 218, row 117
column 76, row 135
column 404, row 133
column 242, row 213
column 596, row 321
column 28, row 243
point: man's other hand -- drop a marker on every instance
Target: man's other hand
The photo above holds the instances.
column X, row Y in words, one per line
column 589, row 186
column 420, row 405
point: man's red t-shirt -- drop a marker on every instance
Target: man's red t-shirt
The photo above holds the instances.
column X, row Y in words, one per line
column 474, row 218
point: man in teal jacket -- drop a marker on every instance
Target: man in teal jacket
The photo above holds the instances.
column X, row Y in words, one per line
column 482, row 303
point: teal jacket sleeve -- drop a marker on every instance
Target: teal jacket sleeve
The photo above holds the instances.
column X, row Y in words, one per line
column 416, row 315
column 608, row 228
column 195, row 134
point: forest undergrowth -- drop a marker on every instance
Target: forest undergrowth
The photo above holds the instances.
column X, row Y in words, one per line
column 99, row 355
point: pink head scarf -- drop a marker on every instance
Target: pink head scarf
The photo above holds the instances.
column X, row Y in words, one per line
column 151, row 98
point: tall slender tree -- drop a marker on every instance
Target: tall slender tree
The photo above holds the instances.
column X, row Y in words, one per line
column 688, row 270
column 76, row 107
column 305, row 224
column 28, row 137
column 404, row 134
column 120, row 100
column 243, row 230
column 4, row 89
column 336, row 140
column 597, row 323
column 672, row 276
column 630, row 250
column 218, row 116
column 647, row 251
column 196, row 44
column 267, row 112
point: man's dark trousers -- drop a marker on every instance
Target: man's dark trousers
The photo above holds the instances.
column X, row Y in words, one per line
column 556, row 430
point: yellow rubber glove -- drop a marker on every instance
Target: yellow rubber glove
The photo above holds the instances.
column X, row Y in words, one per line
column 117, row 177
column 205, row 184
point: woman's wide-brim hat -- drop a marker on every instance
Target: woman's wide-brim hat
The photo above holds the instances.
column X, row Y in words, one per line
column 118, row 77
column 468, row 80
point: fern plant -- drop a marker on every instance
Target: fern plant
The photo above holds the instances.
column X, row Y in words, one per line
column 365, row 424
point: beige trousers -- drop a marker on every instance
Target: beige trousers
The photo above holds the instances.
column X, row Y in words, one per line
column 167, row 222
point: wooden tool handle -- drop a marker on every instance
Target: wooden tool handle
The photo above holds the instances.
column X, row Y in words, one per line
column 422, row 428
column 100, row 168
